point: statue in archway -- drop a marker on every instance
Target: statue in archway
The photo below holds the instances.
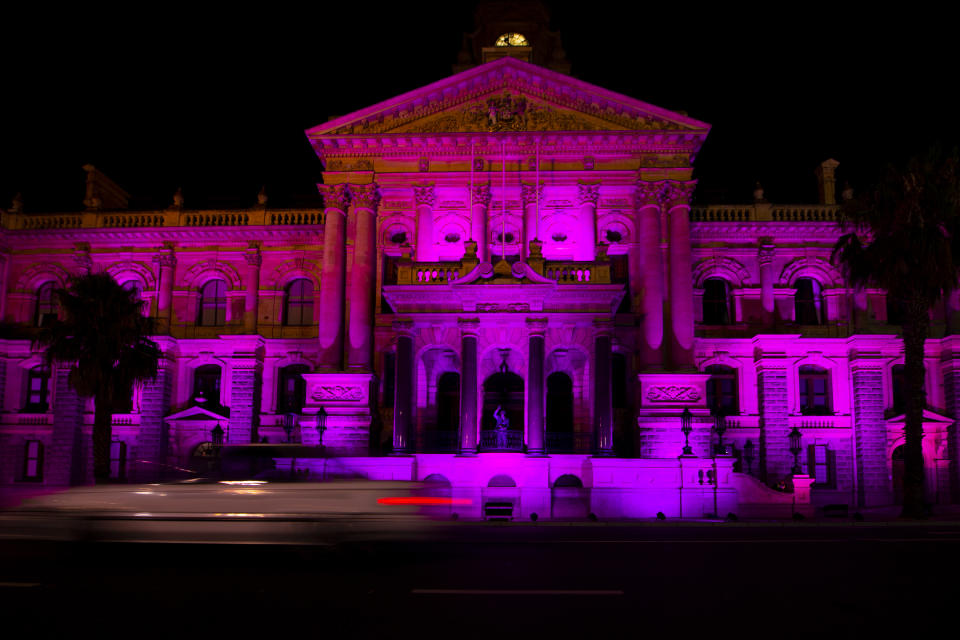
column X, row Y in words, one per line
column 503, row 423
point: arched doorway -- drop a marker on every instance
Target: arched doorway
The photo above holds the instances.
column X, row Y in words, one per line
column 560, row 436
column 501, row 424
column 442, row 437
column 568, row 498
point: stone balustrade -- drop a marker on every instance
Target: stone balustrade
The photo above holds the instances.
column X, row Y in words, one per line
column 765, row 212
column 167, row 218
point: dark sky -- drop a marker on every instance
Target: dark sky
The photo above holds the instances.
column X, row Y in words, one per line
column 216, row 102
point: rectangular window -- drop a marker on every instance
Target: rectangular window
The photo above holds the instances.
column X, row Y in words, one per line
column 118, row 460
column 33, row 461
column 389, row 378
column 820, row 465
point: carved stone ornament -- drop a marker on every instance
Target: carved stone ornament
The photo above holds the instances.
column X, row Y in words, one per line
column 673, row 393
column 337, row 392
column 482, row 195
column 765, row 255
column 424, row 195
column 507, row 113
column 338, row 164
column 678, row 193
column 528, row 194
column 649, row 193
column 364, row 196
column 335, row 196
column 589, row 193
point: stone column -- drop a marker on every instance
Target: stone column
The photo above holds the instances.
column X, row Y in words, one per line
column 775, row 458
column 425, row 197
column 767, row 304
column 246, row 366
column 951, row 387
column 587, row 233
column 651, row 278
column 536, row 328
column 252, row 293
column 403, row 403
column 168, row 264
column 363, row 199
column 468, row 386
column 68, row 459
column 150, row 454
column 529, row 195
column 335, row 199
column 478, row 221
column 602, row 391
column 870, row 430
column 677, row 200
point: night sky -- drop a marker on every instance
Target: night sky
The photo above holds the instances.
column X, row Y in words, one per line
column 217, row 102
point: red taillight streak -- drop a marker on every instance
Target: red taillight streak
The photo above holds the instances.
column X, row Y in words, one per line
column 428, row 501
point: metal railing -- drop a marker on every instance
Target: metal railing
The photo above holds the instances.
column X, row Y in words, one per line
column 504, row 440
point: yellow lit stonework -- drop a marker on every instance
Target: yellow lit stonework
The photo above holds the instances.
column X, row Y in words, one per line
column 512, row 40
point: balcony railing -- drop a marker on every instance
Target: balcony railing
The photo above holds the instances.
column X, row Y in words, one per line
column 166, row 218
column 505, row 440
column 438, row 442
column 569, row 442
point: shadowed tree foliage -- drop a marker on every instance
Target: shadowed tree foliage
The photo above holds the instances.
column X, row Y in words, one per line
column 903, row 235
column 105, row 337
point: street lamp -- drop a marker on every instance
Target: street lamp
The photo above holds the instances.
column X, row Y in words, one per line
column 321, row 424
column 720, row 426
column 748, row 455
column 795, row 449
column 686, row 425
column 287, row 421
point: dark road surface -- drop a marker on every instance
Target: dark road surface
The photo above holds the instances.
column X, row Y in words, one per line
column 501, row 580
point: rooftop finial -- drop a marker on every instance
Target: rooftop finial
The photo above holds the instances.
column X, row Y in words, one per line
column 262, row 196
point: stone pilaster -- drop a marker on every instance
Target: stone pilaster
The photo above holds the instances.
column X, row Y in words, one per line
column 602, row 390
column 332, row 278
column 870, row 430
column 67, row 460
column 150, row 452
column 252, row 292
column 478, row 221
column 468, row 385
column 536, row 328
column 586, row 248
column 425, row 197
column 363, row 199
column 168, row 264
column 767, row 303
column 246, row 364
column 651, row 277
column 530, row 195
column 403, row 405
column 775, row 460
column 677, row 205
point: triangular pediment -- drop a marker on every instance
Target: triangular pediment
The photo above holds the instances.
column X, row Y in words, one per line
column 928, row 417
column 508, row 95
column 198, row 413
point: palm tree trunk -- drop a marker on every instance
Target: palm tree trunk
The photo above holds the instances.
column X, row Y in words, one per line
column 915, row 329
column 102, row 434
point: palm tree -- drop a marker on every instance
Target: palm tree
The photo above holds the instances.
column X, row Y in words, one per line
column 903, row 235
column 104, row 337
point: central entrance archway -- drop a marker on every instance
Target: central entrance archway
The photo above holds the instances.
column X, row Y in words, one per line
column 501, row 424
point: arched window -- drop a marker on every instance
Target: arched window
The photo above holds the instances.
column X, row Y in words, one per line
column 448, row 401
column 722, row 389
column 808, row 302
column 38, row 390
column 298, row 304
column 716, row 301
column 132, row 285
column 46, row 311
column 814, row 391
column 206, row 385
column 292, row 390
column 213, row 304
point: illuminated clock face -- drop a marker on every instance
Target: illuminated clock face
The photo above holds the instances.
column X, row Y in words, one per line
column 512, row 40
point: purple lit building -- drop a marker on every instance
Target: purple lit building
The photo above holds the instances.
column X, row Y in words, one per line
column 507, row 294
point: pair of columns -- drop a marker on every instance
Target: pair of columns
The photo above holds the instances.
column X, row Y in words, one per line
column 665, row 273
column 403, row 427
column 359, row 202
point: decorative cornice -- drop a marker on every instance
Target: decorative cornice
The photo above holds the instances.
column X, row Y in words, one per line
column 335, row 196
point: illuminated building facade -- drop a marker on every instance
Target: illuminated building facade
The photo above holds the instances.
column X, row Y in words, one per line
column 507, row 293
